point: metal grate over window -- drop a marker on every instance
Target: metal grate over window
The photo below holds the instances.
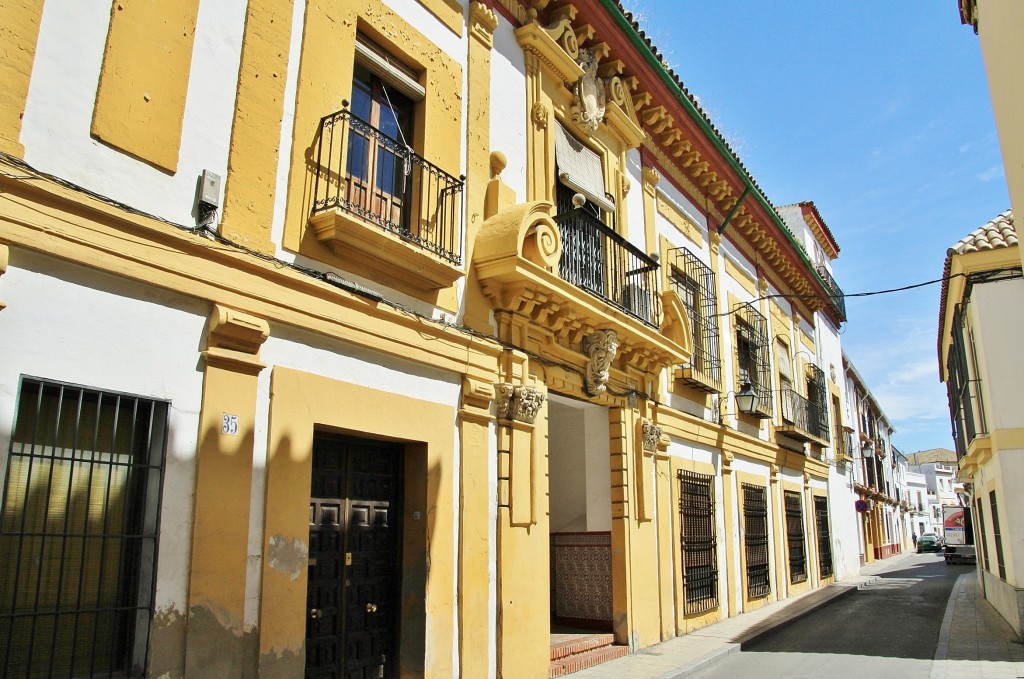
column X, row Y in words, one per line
column 752, row 349
column 981, row 534
column 698, row 537
column 694, row 282
column 79, row 531
column 996, row 537
column 966, row 408
column 824, row 536
column 816, row 395
column 795, row 537
column 755, row 539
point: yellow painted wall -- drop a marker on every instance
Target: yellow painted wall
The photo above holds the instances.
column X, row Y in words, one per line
column 524, row 596
column 19, row 29
column 220, row 534
column 684, row 623
column 251, row 184
column 140, row 104
column 325, row 79
column 748, row 603
column 1000, row 26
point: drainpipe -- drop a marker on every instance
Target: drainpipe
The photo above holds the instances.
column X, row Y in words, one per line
column 732, row 212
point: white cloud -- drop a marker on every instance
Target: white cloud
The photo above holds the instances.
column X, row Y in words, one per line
column 994, row 172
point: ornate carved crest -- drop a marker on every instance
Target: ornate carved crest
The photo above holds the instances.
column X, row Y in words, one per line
column 589, row 96
column 600, row 346
column 652, row 435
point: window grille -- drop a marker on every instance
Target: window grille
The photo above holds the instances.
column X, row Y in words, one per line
column 79, row 531
column 824, row 536
column 698, row 537
column 996, row 537
column 817, row 395
column 755, row 539
column 694, row 282
column 966, row 410
column 752, row 355
column 981, row 533
column 795, row 537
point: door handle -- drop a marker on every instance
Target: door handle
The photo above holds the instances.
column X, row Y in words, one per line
column 315, row 613
column 371, row 608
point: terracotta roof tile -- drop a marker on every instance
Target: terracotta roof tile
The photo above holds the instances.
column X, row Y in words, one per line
column 998, row 233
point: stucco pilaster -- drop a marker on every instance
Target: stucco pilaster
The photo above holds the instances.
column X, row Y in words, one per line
column 214, row 643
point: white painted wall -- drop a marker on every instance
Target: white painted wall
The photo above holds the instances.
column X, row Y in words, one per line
column 1000, row 351
column 62, row 94
column 508, row 106
column 70, row 324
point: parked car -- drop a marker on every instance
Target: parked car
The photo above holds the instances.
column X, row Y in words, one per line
column 929, row 542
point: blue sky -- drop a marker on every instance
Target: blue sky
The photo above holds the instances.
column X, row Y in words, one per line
column 879, row 112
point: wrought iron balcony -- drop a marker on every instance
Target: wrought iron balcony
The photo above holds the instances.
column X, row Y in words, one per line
column 363, row 172
column 803, row 419
column 837, row 296
column 597, row 259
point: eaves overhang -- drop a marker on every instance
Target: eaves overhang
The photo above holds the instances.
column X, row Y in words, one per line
column 808, row 285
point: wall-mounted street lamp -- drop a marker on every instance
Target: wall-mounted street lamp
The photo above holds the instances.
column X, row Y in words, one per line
column 746, row 399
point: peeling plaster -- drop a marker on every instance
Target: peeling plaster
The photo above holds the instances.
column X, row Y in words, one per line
column 289, row 557
column 167, row 644
column 214, row 641
column 284, row 664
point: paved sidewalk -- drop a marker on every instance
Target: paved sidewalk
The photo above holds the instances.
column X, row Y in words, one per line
column 974, row 641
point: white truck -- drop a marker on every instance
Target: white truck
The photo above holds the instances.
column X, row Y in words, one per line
column 959, row 535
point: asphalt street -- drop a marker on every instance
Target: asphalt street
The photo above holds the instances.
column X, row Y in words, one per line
column 889, row 628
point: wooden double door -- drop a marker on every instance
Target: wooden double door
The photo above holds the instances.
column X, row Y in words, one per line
column 354, row 559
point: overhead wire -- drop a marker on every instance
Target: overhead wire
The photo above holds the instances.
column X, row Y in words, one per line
column 206, row 229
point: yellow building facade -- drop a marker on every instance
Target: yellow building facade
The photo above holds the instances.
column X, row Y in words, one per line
column 386, row 339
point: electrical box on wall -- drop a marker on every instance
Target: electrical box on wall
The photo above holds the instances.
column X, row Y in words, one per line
column 209, row 189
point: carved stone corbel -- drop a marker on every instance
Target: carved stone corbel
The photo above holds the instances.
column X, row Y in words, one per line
column 600, row 347
column 519, row 404
column 652, row 437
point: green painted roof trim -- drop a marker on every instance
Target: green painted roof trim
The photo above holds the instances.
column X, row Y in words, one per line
column 638, row 42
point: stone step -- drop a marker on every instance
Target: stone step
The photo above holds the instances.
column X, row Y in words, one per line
column 563, row 645
column 581, row 661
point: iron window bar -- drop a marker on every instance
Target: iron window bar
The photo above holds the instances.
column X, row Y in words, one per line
column 366, row 173
column 755, row 539
column 824, row 536
column 795, row 537
column 699, row 541
column 964, row 393
column 752, row 350
column 694, row 282
column 997, row 537
column 603, row 263
column 79, row 532
column 837, row 297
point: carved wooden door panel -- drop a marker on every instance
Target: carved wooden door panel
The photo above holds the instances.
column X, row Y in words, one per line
column 354, row 571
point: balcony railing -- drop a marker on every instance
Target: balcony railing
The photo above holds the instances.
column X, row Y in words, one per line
column 600, row 261
column 802, row 419
column 837, row 297
column 364, row 172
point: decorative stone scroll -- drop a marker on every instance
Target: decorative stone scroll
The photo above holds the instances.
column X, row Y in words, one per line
column 600, row 346
column 652, row 436
column 517, row 403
